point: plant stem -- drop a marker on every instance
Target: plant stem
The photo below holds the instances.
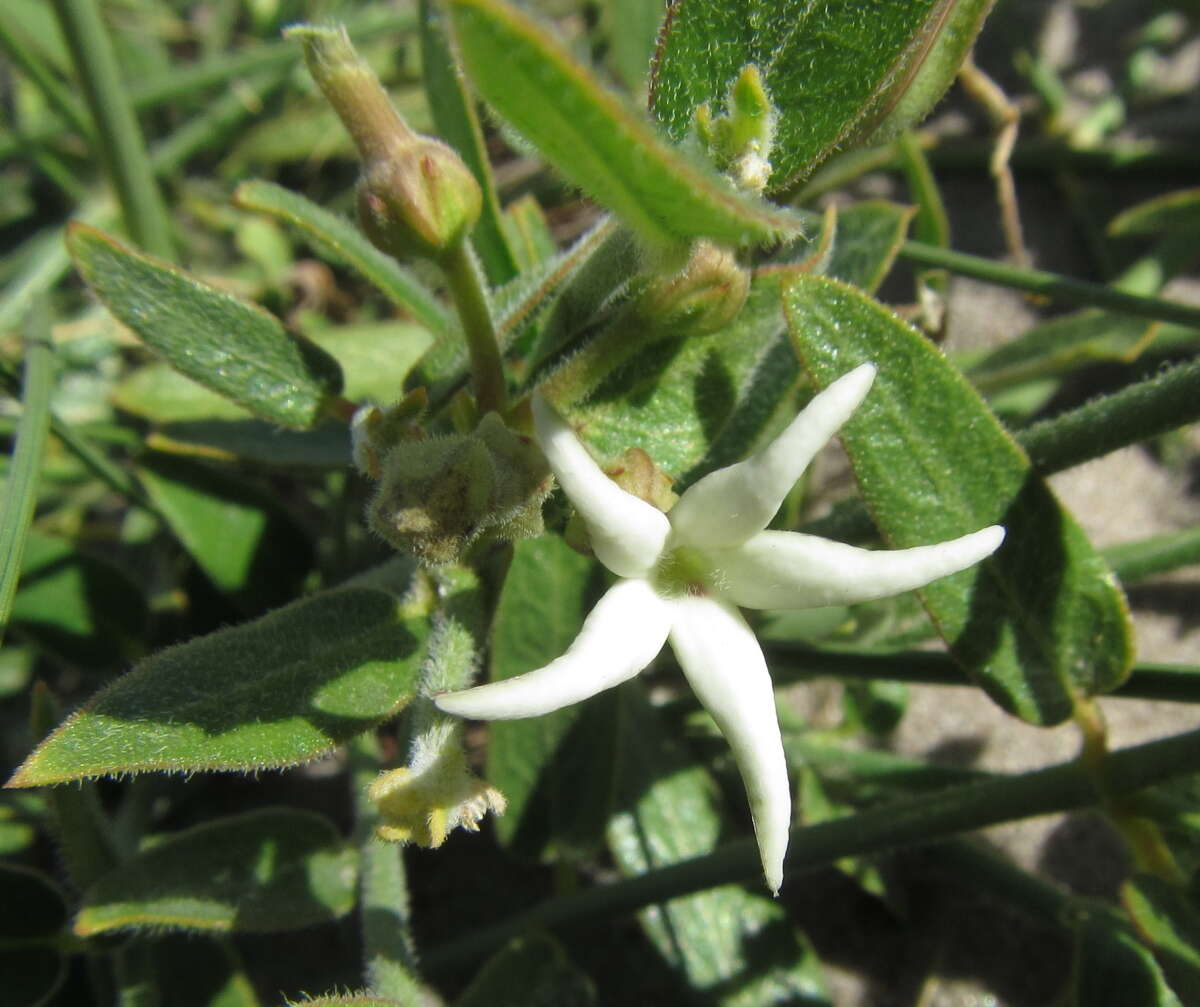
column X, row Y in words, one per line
column 906, row 822
column 1145, row 409
column 387, row 939
column 1060, row 288
column 469, row 293
column 117, row 133
column 20, row 490
column 30, row 63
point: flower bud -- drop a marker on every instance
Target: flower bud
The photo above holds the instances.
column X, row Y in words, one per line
column 422, row 201
column 438, row 496
column 704, row 296
column 416, row 197
column 739, row 141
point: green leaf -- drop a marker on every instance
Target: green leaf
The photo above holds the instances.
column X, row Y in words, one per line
column 699, row 405
column 539, row 613
column 324, row 447
column 21, row 483
column 531, row 972
column 260, row 872
column 234, row 348
column 1175, row 211
column 32, row 966
column 1042, row 623
column 733, row 944
column 1061, row 345
column 77, row 605
column 869, row 236
column 344, row 243
column 161, row 394
column 349, row 1000
column 281, row 690
column 454, row 115
column 1169, row 919
column 833, row 70
column 597, row 141
column 937, row 68
column 240, row 536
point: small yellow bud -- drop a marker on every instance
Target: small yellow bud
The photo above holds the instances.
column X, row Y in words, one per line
column 424, row 805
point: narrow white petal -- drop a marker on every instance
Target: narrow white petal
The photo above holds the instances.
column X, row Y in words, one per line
column 627, row 534
column 725, row 666
column 729, row 505
column 620, row 636
column 778, row 569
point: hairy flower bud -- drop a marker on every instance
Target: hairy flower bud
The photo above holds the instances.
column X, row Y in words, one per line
column 703, row 297
column 438, row 496
column 416, row 197
column 421, row 201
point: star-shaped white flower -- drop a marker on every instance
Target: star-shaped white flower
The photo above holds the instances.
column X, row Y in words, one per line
column 684, row 576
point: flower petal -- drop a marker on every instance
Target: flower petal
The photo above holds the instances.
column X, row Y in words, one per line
column 620, row 636
column 627, row 534
column 778, row 569
column 725, row 666
column 729, row 505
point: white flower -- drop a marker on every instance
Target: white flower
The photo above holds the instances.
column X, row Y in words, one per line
column 685, row 574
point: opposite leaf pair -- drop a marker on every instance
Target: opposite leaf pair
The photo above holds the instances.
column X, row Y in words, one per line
column 683, row 577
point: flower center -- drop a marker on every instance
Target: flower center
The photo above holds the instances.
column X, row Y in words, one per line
column 682, row 571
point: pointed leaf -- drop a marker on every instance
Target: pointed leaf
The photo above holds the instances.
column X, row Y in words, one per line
column 76, row 605
column 228, row 345
column 833, row 70
column 596, row 140
column 869, row 236
column 260, row 872
column 239, row 535
column 1040, row 624
column 284, row 689
column 1169, row 920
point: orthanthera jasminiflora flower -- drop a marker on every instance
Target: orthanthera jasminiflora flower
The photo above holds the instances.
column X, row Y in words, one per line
column 684, row 577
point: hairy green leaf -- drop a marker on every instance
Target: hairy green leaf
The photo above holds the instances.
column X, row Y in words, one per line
column 278, row 691
column 596, row 140
column 834, row 70
column 228, row 345
column 869, row 236
column 1042, row 623
column 259, row 872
